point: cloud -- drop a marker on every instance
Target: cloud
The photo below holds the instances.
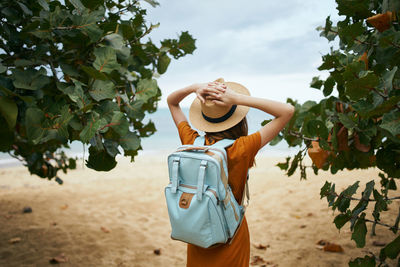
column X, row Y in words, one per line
column 270, row 46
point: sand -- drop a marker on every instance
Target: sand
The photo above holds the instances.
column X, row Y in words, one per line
column 119, row 218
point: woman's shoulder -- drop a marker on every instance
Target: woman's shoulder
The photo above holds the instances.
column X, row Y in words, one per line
column 246, row 145
column 186, row 133
column 250, row 141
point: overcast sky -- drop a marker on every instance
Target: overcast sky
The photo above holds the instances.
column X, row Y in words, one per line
column 271, row 47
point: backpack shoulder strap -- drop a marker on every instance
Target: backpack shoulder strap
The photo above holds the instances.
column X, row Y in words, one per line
column 199, row 141
column 224, row 143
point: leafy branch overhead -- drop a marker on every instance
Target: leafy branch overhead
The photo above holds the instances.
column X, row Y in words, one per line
column 357, row 124
column 72, row 70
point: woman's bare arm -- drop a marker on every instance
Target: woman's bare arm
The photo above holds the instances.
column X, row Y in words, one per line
column 283, row 112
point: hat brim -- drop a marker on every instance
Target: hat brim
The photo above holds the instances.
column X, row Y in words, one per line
column 198, row 121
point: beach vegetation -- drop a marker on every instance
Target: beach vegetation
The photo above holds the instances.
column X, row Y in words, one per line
column 79, row 71
column 357, row 123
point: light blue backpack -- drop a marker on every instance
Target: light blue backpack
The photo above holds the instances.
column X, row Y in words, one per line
column 201, row 206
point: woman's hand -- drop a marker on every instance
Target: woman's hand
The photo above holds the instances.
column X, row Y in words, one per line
column 222, row 95
column 208, row 91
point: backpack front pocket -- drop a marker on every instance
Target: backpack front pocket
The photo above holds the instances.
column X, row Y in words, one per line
column 193, row 221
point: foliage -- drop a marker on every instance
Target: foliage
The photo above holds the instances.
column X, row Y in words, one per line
column 360, row 127
column 72, row 70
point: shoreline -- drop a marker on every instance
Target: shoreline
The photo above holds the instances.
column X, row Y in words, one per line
column 119, row 218
column 266, row 151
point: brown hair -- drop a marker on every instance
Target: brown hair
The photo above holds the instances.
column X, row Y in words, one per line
column 240, row 129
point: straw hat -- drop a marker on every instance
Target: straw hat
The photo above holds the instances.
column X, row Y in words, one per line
column 210, row 117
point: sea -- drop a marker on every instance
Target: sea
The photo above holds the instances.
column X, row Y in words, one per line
column 165, row 140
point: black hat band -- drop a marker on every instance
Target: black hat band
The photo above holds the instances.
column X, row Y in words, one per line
column 220, row 119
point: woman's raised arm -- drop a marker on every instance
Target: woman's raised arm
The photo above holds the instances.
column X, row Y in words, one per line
column 283, row 112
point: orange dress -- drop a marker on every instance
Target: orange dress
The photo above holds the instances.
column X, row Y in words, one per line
column 240, row 158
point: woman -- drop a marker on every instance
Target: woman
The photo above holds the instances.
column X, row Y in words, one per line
column 220, row 111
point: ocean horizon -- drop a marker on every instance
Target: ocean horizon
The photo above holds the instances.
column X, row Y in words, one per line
column 165, row 140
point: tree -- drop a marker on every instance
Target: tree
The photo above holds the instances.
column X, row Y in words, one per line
column 72, row 70
column 359, row 128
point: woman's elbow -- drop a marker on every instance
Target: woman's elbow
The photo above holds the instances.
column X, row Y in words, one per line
column 290, row 110
column 170, row 100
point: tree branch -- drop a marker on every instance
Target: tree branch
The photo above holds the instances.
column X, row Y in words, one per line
column 53, row 70
column 383, row 224
column 359, row 199
column 297, row 134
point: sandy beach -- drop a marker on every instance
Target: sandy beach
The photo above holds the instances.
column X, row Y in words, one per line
column 119, row 218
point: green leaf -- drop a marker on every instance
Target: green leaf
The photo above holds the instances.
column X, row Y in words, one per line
column 392, row 249
column 102, row 90
column 30, row 79
column 100, row 160
column 360, row 231
column 111, row 147
column 388, row 79
column 316, row 83
column 346, row 195
column 86, row 23
column 44, row 5
column 146, row 89
column 115, row 40
column 187, row 43
column 387, row 160
column 359, row 88
column 91, row 128
column 354, row 8
column 349, row 32
column 23, row 63
column 380, row 204
column 391, row 122
column 25, row 9
column 130, row 142
column 106, row 109
column 9, row 110
column 367, row 261
column 329, row 62
column 70, row 70
column 276, row 140
column 294, row 164
column 34, row 119
column 163, row 62
column 77, row 95
column 316, row 128
column 341, row 219
column 63, row 121
column 346, row 120
column 78, row 5
column 119, row 123
column 106, row 60
column 363, row 203
column 284, row 165
column 328, row 86
column 326, row 189
column 2, row 68
column 95, row 74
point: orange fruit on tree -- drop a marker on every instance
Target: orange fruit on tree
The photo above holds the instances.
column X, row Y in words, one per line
column 364, row 57
column 317, row 154
column 381, row 21
column 342, row 139
column 358, row 145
